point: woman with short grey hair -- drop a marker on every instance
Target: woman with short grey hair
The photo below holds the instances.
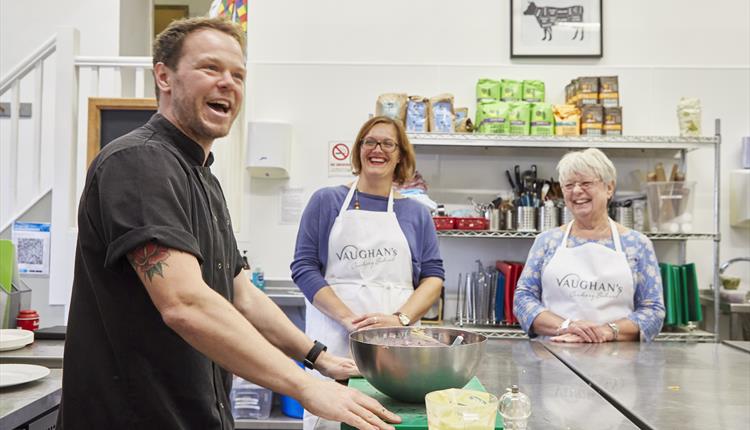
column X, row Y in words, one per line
column 591, row 280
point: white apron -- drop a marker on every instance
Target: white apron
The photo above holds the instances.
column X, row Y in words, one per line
column 589, row 282
column 369, row 269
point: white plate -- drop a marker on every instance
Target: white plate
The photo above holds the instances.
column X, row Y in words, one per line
column 12, row 338
column 14, row 374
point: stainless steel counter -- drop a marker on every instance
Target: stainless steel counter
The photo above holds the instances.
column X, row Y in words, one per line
column 559, row 398
column 21, row 403
column 665, row 385
column 743, row 345
column 48, row 353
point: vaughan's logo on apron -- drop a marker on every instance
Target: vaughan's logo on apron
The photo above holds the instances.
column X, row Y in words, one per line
column 588, row 288
column 364, row 257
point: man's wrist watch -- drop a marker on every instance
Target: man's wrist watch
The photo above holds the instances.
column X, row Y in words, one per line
column 403, row 318
column 563, row 326
column 615, row 330
column 311, row 356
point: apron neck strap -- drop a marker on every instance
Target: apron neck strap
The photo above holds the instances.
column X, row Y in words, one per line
column 350, row 195
column 612, row 227
column 615, row 235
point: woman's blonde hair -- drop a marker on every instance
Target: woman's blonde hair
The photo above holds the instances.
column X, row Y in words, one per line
column 407, row 162
column 590, row 161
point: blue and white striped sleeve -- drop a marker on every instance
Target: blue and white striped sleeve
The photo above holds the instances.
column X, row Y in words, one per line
column 527, row 300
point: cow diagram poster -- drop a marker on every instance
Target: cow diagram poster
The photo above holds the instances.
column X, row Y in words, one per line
column 556, row 28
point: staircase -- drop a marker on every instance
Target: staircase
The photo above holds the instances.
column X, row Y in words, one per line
column 47, row 152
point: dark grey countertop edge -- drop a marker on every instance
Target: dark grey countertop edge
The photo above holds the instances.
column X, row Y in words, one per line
column 32, row 410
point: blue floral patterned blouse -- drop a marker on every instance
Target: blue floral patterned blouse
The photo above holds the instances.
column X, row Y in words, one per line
column 648, row 301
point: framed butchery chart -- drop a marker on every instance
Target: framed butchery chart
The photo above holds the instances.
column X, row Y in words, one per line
column 556, row 28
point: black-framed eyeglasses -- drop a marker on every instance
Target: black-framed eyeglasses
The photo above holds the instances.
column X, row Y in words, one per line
column 387, row 145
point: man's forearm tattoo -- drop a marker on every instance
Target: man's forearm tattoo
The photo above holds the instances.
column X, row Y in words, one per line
column 149, row 259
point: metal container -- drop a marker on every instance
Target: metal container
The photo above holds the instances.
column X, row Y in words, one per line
column 549, row 218
column 509, row 220
column 408, row 373
column 567, row 216
column 494, row 219
column 624, row 216
column 526, row 218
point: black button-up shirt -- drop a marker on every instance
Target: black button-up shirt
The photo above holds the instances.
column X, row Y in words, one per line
column 123, row 366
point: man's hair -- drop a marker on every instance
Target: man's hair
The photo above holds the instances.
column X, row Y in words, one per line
column 168, row 44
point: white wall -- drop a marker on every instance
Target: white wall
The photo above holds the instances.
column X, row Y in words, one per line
column 320, row 65
column 25, row 26
column 196, row 7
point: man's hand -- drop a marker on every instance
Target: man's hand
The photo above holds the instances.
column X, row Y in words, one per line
column 333, row 401
column 335, row 367
column 376, row 320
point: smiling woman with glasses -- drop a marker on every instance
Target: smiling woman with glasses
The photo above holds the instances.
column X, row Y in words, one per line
column 591, row 280
column 365, row 255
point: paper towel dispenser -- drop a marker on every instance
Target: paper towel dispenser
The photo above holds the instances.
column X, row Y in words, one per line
column 269, row 147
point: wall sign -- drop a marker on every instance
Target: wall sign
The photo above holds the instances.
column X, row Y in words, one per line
column 339, row 158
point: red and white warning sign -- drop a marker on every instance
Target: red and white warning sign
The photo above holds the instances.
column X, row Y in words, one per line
column 339, row 161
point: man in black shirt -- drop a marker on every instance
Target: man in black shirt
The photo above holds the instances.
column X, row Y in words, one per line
column 160, row 305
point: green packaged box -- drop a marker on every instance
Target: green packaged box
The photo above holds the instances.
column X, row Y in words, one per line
column 488, row 90
column 519, row 118
column 510, row 91
column 542, row 120
column 492, row 117
column 533, row 91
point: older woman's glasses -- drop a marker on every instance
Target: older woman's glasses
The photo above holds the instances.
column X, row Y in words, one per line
column 584, row 185
column 386, row 145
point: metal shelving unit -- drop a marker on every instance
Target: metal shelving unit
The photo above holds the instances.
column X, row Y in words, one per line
column 682, row 145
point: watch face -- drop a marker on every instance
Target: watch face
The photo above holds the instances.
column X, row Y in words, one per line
column 404, row 319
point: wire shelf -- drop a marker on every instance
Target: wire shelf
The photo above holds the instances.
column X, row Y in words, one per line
column 512, row 234
column 503, row 141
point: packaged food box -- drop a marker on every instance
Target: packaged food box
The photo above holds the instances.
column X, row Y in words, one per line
column 592, row 118
column 612, row 121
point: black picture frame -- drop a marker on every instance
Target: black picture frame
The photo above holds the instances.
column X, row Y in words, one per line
column 556, row 29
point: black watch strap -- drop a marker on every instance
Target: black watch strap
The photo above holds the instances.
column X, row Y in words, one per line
column 313, row 354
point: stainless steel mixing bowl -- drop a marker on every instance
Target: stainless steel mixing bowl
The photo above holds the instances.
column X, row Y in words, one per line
column 407, row 373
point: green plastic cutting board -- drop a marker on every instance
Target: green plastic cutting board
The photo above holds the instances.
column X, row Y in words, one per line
column 7, row 260
column 413, row 415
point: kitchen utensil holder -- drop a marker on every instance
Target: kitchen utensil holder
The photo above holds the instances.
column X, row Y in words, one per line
column 549, row 217
column 624, row 216
column 567, row 216
column 509, row 220
column 526, row 218
column 18, row 298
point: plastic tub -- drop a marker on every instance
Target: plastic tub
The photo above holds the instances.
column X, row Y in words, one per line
column 472, row 223
column 444, row 222
column 250, row 400
column 459, row 409
column 670, row 206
